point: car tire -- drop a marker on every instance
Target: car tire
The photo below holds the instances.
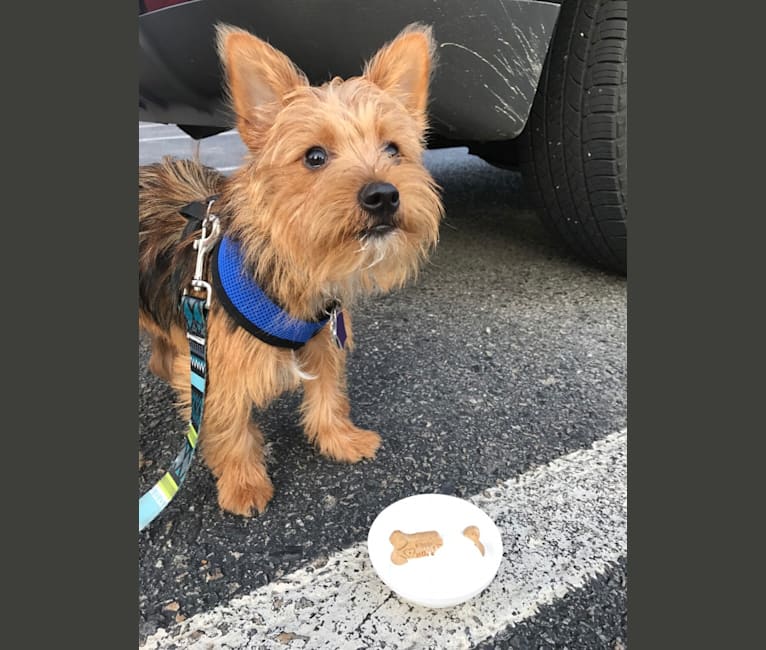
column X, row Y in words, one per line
column 573, row 150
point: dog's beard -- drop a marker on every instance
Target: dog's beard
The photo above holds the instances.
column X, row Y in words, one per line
column 375, row 247
column 381, row 262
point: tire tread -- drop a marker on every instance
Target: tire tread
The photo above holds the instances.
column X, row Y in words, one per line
column 573, row 150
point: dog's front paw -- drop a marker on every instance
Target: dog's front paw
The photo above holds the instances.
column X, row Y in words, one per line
column 243, row 498
column 349, row 445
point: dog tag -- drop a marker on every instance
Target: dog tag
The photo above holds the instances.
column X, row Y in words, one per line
column 338, row 328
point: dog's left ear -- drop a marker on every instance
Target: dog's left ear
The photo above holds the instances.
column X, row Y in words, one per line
column 403, row 68
column 259, row 76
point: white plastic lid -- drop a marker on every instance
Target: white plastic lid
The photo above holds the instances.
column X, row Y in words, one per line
column 457, row 571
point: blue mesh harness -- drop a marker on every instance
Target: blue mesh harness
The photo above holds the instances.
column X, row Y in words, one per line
column 250, row 307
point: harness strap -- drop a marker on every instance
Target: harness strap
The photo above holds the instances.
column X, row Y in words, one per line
column 249, row 305
column 153, row 502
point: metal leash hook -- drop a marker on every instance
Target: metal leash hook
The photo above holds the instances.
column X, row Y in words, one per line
column 203, row 246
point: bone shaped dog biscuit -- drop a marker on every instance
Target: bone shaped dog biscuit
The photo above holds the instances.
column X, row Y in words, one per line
column 408, row 546
column 472, row 533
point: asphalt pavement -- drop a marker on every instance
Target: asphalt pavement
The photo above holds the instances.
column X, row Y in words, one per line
column 499, row 376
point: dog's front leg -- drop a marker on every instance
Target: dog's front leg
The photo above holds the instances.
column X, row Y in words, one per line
column 233, row 448
column 231, row 444
column 325, row 409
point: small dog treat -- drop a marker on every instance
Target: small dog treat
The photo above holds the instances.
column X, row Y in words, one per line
column 472, row 533
column 408, row 546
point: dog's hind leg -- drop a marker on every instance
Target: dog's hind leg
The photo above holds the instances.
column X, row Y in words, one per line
column 164, row 350
column 325, row 409
column 163, row 357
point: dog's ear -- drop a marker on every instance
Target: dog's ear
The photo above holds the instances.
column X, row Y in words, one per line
column 258, row 75
column 403, row 68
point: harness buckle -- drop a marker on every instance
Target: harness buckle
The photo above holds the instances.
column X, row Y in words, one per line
column 203, row 246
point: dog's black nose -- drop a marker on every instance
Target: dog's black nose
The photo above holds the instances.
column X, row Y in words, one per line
column 381, row 200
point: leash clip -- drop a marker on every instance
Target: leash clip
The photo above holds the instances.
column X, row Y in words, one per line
column 203, row 246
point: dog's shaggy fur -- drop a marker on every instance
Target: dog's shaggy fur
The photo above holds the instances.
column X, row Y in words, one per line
column 304, row 234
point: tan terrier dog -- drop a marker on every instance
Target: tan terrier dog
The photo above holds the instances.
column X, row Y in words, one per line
column 332, row 202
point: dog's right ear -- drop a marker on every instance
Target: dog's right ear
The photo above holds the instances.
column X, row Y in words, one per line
column 258, row 75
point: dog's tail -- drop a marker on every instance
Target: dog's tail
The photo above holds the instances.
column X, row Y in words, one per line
column 165, row 256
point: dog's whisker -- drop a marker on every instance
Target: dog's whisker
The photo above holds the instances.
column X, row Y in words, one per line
column 381, row 254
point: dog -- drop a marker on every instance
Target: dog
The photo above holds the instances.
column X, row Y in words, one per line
column 331, row 203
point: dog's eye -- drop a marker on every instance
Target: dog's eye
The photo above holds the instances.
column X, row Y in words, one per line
column 315, row 157
column 391, row 149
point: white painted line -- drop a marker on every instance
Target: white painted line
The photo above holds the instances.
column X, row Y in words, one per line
column 165, row 137
column 562, row 524
column 183, row 137
column 151, row 125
